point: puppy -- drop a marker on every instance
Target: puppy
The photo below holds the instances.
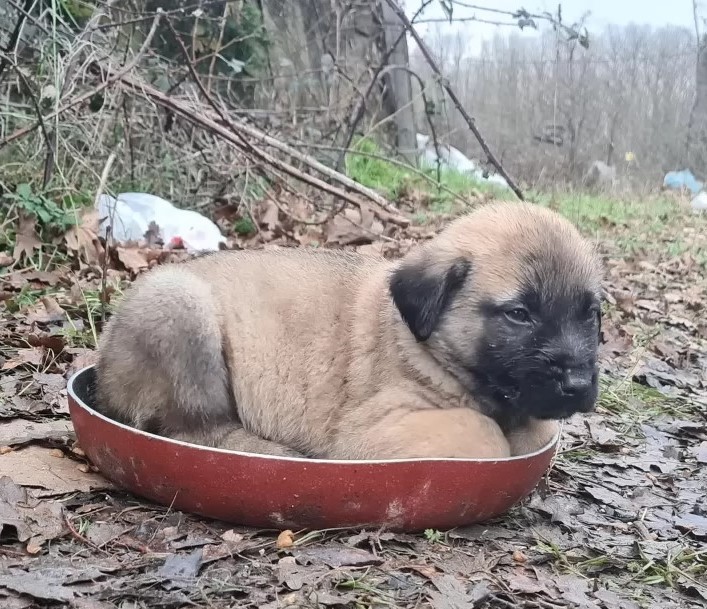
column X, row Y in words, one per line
column 472, row 345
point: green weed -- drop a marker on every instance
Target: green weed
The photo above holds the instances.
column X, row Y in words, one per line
column 45, row 210
column 367, row 164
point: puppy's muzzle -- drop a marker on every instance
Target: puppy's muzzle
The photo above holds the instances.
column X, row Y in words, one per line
column 577, row 382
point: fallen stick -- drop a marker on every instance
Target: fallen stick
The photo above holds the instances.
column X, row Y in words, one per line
column 386, row 212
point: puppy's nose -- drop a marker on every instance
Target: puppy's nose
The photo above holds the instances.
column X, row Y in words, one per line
column 576, row 381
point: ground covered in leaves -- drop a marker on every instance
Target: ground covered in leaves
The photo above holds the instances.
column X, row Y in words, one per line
column 620, row 521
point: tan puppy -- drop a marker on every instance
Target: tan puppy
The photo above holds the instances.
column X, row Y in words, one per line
column 473, row 345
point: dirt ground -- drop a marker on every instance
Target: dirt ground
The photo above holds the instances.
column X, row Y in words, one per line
column 620, row 522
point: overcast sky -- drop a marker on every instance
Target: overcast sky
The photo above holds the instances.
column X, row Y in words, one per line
column 655, row 13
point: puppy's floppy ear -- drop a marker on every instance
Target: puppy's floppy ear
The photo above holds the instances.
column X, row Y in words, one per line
column 422, row 290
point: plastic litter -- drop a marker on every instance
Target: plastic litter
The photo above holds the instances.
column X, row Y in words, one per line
column 677, row 180
column 453, row 158
column 699, row 203
column 133, row 212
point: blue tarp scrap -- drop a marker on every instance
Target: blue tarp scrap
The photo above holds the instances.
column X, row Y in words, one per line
column 682, row 179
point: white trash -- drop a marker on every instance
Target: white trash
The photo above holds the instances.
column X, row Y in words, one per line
column 133, row 211
column 699, row 203
column 451, row 157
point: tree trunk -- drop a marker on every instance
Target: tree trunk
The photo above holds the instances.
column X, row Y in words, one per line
column 696, row 148
column 398, row 85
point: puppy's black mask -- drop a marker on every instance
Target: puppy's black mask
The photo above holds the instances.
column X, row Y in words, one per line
column 536, row 355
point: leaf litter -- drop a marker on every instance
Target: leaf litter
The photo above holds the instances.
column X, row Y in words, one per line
column 619, row 523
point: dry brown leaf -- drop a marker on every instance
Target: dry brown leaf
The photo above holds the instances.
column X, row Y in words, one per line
column 132, row 259
column 21, row 431
column 46, row 311
column 83, row 238
column 30, row 520
column 31, row 356
column 38, row 467
column 5, row 260
column 270, row 215
column 352, row 227
column 286, row 539
column 26, row 240
column 82, row 358
column 48, row 277
column 231, row 536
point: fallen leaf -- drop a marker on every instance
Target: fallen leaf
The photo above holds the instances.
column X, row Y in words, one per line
column 53, row 342
column 26, row 240
column 83, row 237
column 82, row 358
column 46, row 311
column 53, row 387
column 24, row 582
column 611, row 498
column 36, row 467
column 269, row 218
column 700, row 452
column 25, row 517
column 32, row 356
column 179, row 569
column 353, row 228
column 100, row 533
column 335, row 557
column 450, row 594
column 231, row 536
column 294, row 575
column 523, row 584
column 132, row 259
column 693, row 523
column 51, row 582
column 5, row 260
column 21, row 431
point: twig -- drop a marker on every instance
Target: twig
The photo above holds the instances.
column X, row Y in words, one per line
column 48, row 139
column 14, row 37
column 245, row 143
column 113, row 77
column 445, row 83
column 109, row 233
column 236, row 136
column 76, row 535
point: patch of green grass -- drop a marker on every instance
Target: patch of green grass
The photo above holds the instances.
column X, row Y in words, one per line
column 635, row 403
column 433, row 535
column 635, row 225
column 27, row 296
column 244, row 226
column 576, row 563
column 680, row 566
column 366, row 164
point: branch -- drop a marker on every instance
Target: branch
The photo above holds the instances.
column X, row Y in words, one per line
column 86, row 96
column 445, row 83
column 238, row 131
column 240, row 128
column 14, row 37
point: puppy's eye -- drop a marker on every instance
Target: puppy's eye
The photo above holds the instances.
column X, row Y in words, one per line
column 594, row 313
column 518, row 315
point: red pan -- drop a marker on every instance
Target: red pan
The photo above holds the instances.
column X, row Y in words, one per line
column 298, row 493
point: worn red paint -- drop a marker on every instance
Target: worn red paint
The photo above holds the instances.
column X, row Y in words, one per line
column 252, row 490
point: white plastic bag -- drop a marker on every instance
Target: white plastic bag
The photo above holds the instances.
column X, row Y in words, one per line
column 132, row 213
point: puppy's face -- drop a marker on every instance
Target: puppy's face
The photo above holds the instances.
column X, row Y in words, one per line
column 507, row 299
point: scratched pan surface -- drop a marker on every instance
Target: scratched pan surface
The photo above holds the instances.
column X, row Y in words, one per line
column 284, row 492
